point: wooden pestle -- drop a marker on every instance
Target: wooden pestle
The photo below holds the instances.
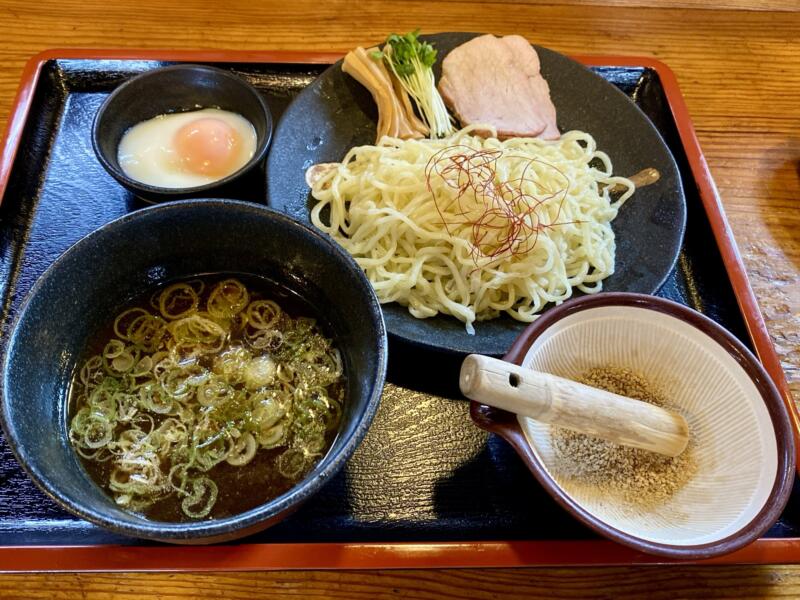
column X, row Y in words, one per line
column 564, row 403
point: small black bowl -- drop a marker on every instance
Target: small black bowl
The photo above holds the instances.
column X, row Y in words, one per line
column 83, row 291
column 178, row 88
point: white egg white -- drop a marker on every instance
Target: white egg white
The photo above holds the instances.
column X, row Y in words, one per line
column 146, row 152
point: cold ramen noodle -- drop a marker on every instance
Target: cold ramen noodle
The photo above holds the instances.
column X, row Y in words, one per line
column 473, row 226
column 205, row 400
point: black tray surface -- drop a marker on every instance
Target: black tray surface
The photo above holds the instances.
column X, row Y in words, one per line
column 424, row 472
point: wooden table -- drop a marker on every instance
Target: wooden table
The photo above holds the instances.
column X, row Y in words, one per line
column 738, row 65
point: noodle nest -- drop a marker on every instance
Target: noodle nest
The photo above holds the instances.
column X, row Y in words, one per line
column 474, row 227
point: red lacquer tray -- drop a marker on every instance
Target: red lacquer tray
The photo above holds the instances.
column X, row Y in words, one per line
column 444, row 531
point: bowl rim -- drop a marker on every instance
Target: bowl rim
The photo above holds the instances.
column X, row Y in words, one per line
column 240, row 524
column 507, row 426
column 154, row 191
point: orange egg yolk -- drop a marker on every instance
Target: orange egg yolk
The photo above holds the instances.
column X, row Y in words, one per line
column 207, row 146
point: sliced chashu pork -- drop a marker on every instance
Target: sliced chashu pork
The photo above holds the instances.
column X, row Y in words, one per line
column 496, row 81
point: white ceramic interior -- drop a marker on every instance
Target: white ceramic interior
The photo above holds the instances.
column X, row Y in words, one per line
column 734, row 439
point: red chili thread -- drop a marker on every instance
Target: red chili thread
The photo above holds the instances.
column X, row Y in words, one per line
column 504, row 220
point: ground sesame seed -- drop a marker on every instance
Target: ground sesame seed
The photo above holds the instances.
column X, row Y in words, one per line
column 635, row 477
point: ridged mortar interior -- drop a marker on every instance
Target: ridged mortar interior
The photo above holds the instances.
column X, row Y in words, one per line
column 733, row 436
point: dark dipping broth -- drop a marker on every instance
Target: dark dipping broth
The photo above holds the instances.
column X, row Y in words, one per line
column 206, row 398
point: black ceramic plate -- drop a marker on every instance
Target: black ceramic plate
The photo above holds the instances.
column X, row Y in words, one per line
column 335, row 113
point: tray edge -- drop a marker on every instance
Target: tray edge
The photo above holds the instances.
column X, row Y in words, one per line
column 406, row 555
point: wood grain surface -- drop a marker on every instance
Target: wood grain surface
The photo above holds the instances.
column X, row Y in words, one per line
column 740, row 73
column 771, row 5
column 653, row 583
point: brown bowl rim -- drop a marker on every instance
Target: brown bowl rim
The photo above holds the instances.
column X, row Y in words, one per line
column 505, row 424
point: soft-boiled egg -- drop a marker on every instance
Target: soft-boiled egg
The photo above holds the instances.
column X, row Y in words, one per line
column 187, row 149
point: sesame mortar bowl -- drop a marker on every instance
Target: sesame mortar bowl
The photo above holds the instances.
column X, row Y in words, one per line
column 724, row 491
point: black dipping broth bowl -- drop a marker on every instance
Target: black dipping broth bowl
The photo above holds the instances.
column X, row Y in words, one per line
column 83, row 291
column 180, row 88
